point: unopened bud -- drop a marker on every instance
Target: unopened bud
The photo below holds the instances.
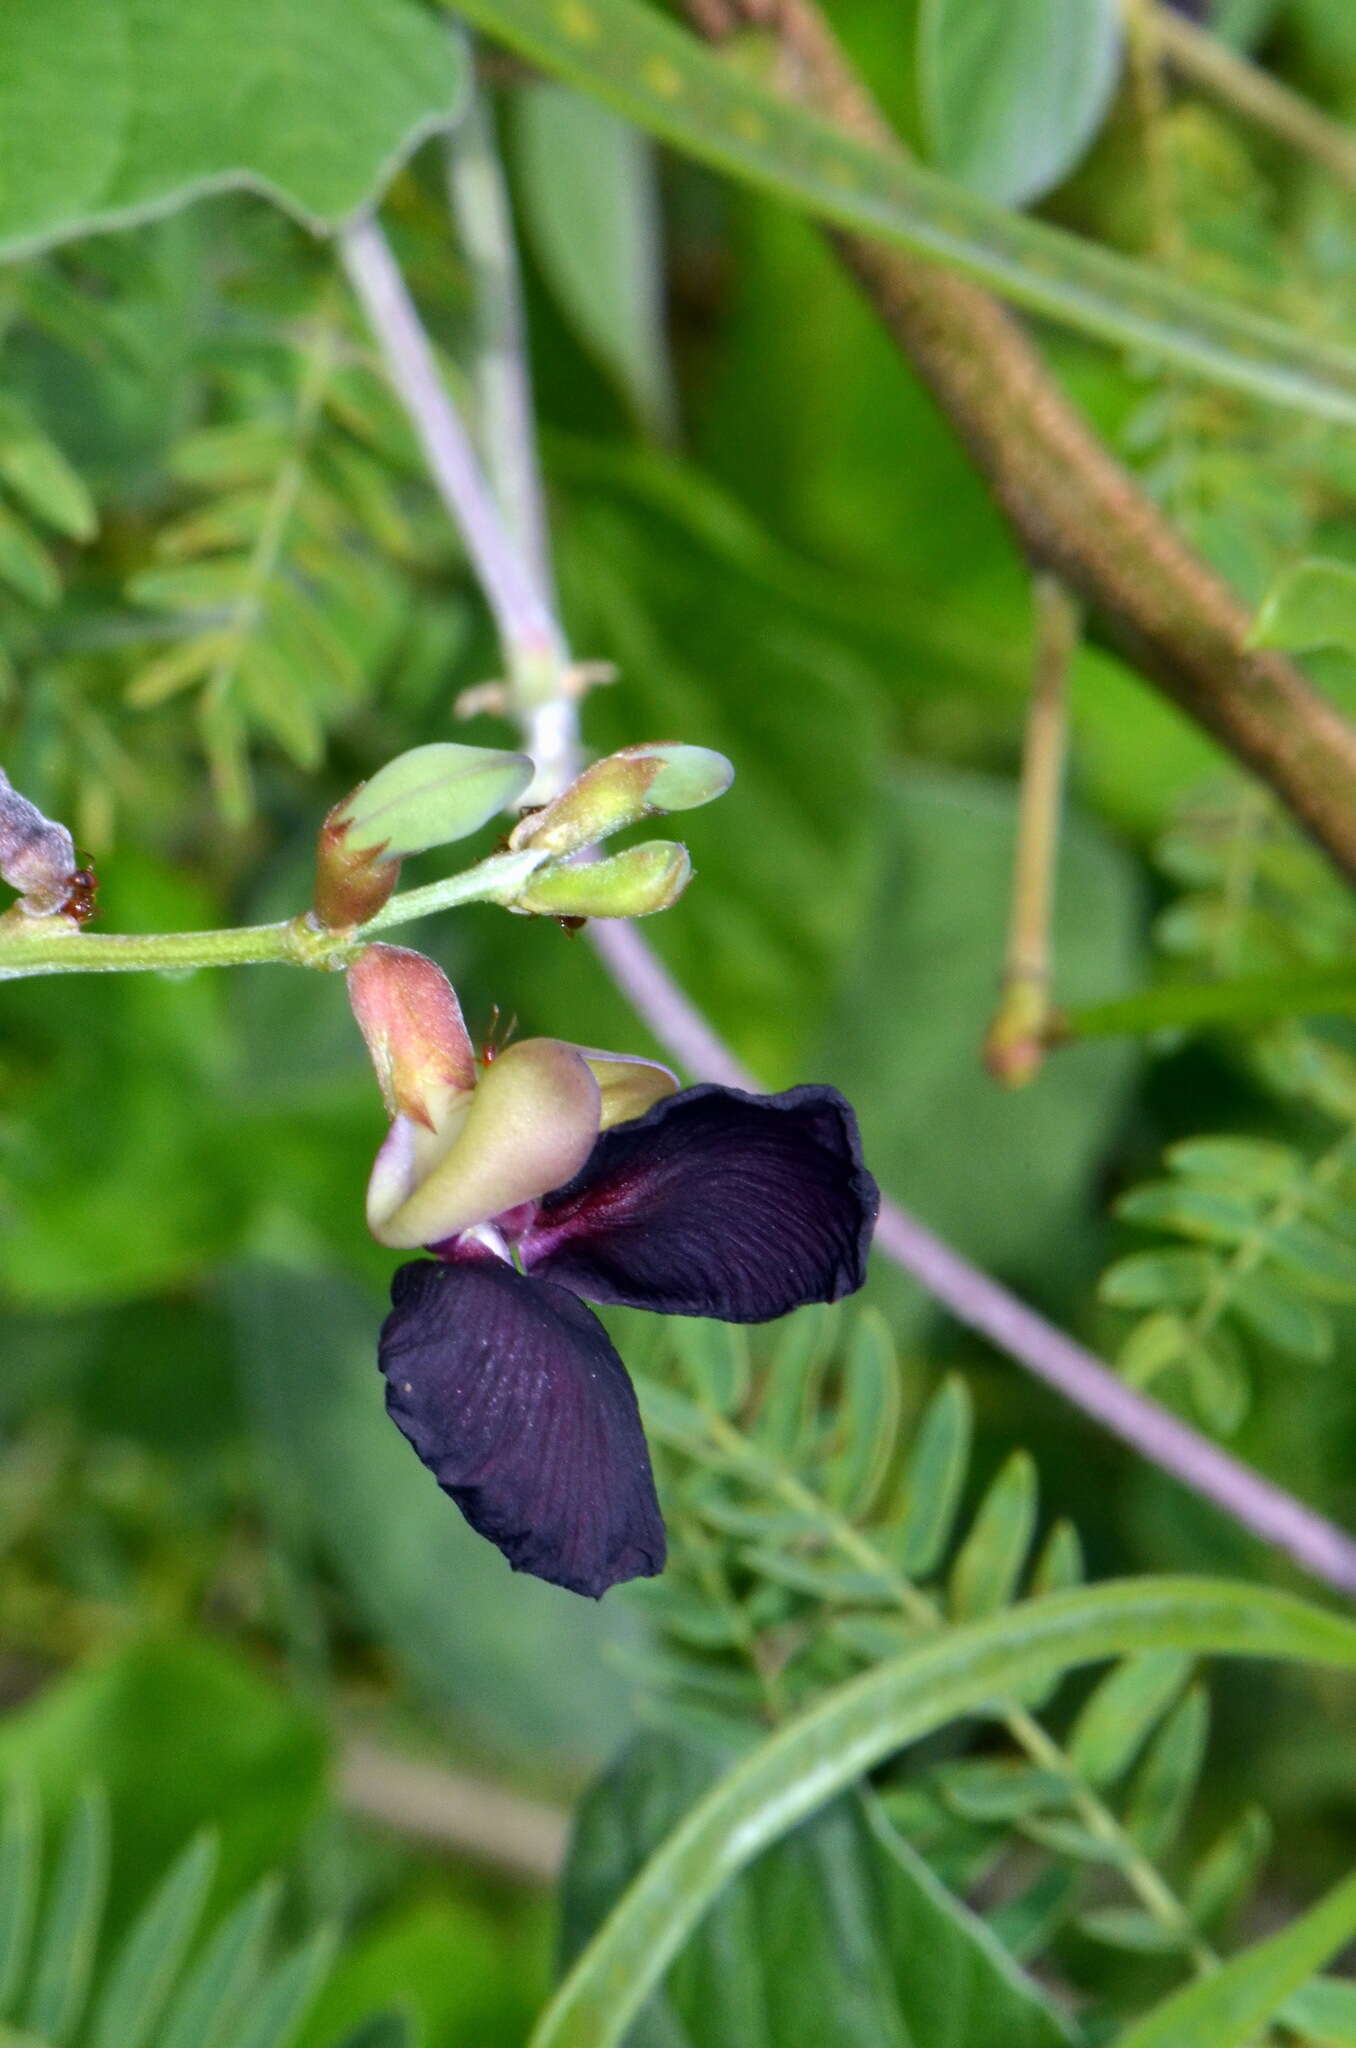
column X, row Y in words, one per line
column 407, row 1010
column 639, row 782
column 424, row 798
column 37, row 857
column 631, row 884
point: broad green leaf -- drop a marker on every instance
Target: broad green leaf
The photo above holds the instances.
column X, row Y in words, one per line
column 1312, row 604
column 310, row 101
column 1007, row 1176
column 20, row 1854
column 934, row 1478
column 146, row 1966
column 853, row 1728
column 988, row 1566
column 209, row 2000
column 249, row 1759
column 1229, row 2007
column 591, row 207
column 664, row 81
column 1013, row 91
column 69, row 1933
column 841, row 1933
column 1123, row 1712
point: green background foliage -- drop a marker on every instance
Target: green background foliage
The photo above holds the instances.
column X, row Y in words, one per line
column 227, row 594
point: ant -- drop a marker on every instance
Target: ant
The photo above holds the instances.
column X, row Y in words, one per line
column 80, row 897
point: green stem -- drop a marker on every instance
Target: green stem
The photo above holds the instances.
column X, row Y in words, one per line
column 27, row 947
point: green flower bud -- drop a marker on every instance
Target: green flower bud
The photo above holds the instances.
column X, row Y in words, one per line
column 424, row 798
column 639, row 782
column 631, row 884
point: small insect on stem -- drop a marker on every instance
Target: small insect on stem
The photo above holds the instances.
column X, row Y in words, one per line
column 497, row 1036
column 80, row 897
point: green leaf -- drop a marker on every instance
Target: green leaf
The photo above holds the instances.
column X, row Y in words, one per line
column 1218, row 1380
column 69, row 1933
column 146, row 1966
column 1157, row 1280
column 853, row 1728
column 20, row 1852
column 1060, row 1563
column 1323, row 2010
column 1229, row 2007
column 1206, row 1213
column 1229, row 1868
column 43, row 480
column 714, row 1358
column 1160, row 1340
column 1130, row 1928
column 25, row 564
column 934, row 1479
column 870, row 1404
column 663, row 80
column 1013, row 91
column 1294, row 1325
column 591, row 207
column 210, row 1998
column 841, row 1933
column 1311, row 604
column 1007, row 1176
column 275, row 2012
column 1317, row 1259
column 248, row 1759
column 1163, row 1786
column 1122, row 1713
column 1001, row 1789
column 312, row 102
column 988, row 1566
column 1254, row 1164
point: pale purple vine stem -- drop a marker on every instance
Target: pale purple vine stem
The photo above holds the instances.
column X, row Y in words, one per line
column 1317, row 1545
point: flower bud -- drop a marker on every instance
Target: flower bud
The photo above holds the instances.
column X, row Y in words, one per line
column 426, row 797
column 37, row 857
column 631, row 884
column 407, row 1010
column 639, row 782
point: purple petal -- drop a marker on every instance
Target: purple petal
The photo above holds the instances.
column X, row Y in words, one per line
column 512, row 1395
column 716, row 1203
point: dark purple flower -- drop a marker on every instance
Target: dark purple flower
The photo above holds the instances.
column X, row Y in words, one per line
column 560, row 1173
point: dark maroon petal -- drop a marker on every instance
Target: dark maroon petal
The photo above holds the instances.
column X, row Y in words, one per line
column 512, row 1395
column 716, row 1203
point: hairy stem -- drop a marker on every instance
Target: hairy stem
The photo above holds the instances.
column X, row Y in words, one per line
column 1071, row 505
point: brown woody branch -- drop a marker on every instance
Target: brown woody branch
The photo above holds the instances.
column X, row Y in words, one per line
column 1071, row 505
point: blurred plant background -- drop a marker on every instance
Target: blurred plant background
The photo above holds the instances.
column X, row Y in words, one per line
column 230, row 1602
